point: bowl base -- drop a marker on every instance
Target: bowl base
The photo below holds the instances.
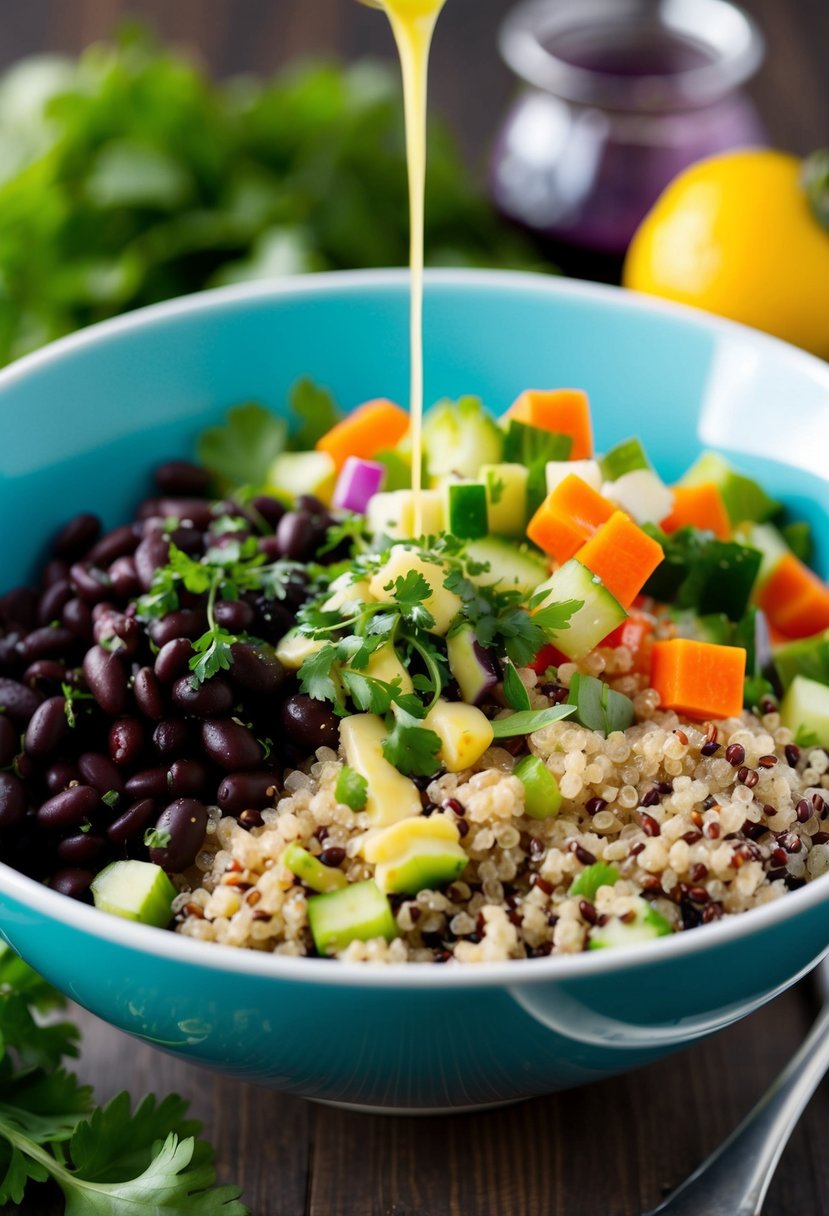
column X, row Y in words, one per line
column 408, row 1111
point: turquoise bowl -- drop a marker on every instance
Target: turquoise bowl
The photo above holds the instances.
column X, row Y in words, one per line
column 82, row 423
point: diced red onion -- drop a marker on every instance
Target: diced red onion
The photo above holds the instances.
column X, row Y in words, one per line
column 359, row 481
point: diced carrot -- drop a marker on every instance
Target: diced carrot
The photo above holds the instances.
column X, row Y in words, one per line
column 563, row 410
column 698, row 678
column 370, row 429
column 622, row 555
column 794, row 599
column 568, row 517
column 636, row 634
column 548, row 656
column 701, row 507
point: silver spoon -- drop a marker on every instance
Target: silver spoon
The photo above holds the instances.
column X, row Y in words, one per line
column 734, row 1179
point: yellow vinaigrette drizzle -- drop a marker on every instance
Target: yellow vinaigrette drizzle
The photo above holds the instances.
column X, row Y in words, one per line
column 413, row 23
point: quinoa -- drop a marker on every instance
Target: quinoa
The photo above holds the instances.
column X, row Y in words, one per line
column 703, row 820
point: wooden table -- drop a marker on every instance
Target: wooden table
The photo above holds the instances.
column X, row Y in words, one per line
column 609, row 1150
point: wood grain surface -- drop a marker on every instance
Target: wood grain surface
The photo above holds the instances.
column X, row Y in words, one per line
column 612, row 1149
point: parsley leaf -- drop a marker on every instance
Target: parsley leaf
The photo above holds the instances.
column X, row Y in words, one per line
column 351, row 788
column 526, row 722
column 410, row 591
column 243, row 448
column 411, row 747
column 212, row 654
column 316, row 680
column 317, row 412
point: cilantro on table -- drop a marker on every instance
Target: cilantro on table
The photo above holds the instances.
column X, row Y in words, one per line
column 336, row 672
column 128, row 177
column 107, row 1161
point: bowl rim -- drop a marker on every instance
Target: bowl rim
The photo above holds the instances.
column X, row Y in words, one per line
column 173, row 947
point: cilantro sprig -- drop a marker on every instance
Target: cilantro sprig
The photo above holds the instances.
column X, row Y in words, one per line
column 107, row 1160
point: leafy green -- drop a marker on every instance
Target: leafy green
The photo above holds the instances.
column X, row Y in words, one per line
column 127, row 177
column 528, row 721
column 599, row 874
column 411, row 747
column 704, row 573
column 242, row 450
column 515, row 693
column 108, row 1161
column 533, row 447
column 351, row 788
column 598, row 706
column 316, row 410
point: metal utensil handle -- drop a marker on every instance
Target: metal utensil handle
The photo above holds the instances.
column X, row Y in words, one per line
column 735, row 1178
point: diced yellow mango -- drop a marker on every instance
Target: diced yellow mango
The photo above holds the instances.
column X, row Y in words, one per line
column 392, row 514
column 387, row 843
column 347, row 594
column 416, row 853
column 391, row 796
column 464, row 732
column 444, row 605
column 386, row 666
column 295, row 648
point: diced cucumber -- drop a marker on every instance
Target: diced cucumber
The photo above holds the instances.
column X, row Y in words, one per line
column 466, row 509
column 310, row 870
column 807, row 657
column 534, row 447
column 295, row 473
column 542, row 797
column 624, row 458
column 356, row 913
column 767, row 541
column 599, row 615
column 599, row 874
column 416, row 854
column 460, row 436
column 805, row 711
column 642, row 494
column 588, row 470
column 135, row 890
column 744, row 499
column 515, row 567
column 506, row 497
column 647, row 925
column 474, row 667
column 800, row 539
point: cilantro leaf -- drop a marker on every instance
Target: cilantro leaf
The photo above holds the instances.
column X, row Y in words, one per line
column 555, row 618
column 515, row 693
column 351, row 788
column 316, row 410
column 213, row 654
column 411, row 747
column 410, row 591
column 243, row 448
column 526, row 722
column 316, row 680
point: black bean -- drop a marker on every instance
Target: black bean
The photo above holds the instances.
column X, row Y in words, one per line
column 271, row 509
column 47, row 728
column 18, row 701
column 131, row 824
column 124, row 577
column 53, row 601
column 12, row 800
column 214, row 696
column 83, row 849
column 188, row 778
column 46, row 643
column 116, row 633
column 19, row 607
column 186, row 821
column 256, row 669
column 61, row 775
column 271, row 547
column 173, row 659
column 297, row 536
column 240, row 791
column 180, row 477
column 70, row 808
column 230, row 744
column 189, row 539
column 148, row 695
column 196, row 511
column 77, row 618
column 102, row 608
column 172, row 738
column 149, row 783
column 151, row 555
column 234, row 615
column 127, row 739
column 185, row 623
column 55, row 571
column 76, row 536
column 313, row 507
column 333, row 856
column 120, row 542
column 46, row 675
column 309, row 724
column 90, row 583
column 273, row 619
column 9, row 741
column 107, row 679
column 9, row 655
column 72, row 882
column 99, row 771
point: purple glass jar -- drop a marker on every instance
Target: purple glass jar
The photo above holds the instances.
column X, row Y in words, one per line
column 623, row 95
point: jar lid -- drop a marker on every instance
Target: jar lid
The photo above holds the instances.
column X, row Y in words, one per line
column 633, row 55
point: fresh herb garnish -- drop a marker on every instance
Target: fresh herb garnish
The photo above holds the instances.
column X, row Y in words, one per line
column 317, row 412
column 411, row 747
column 598, row 706
column 351, row 788
column 111, row 799
column 515, row 693
column 243, row 448
column 70, row 697
column 107, row 1160
column 157, row 838
column 528, row 721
